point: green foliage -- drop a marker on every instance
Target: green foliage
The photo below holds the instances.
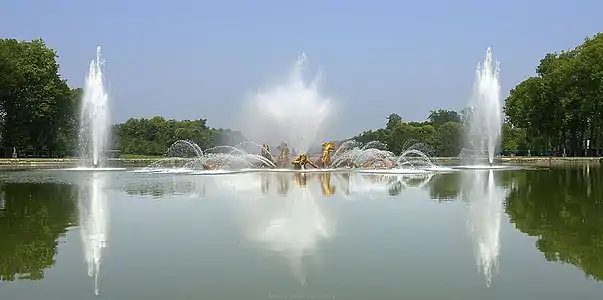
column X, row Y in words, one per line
column 440, row 117
column 32, row 96
column 154, row 136
column 559, row 108
column 562, row 107
column 443, row 131
column 513, row 140
column 448, row 139
column 33, row 218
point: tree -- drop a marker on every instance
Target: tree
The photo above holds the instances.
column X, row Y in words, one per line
column 392, row 121
column 440, row 117
column 154, row 136
column 32, row 96
column 513, row 140
column 562, row 107
column 448, row 139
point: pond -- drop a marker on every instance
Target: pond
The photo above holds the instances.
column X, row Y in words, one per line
column 465, row 234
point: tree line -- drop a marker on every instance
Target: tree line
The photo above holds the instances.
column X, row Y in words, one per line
column 556, row 112
column 441, row 135
column 154, row 136
column 561, row 108
column 39, row 112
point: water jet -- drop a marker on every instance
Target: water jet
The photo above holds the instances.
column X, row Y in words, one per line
column 294, row 111
column 94, row 127
column 485, row 112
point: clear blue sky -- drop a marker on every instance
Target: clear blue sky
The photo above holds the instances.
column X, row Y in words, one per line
column 191, row 59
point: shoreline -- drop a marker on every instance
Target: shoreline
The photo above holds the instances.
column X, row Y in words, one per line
column 40, row 163
column 534, row 161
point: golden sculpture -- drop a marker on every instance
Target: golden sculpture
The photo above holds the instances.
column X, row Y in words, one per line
column 301, row 161
column 325, row 157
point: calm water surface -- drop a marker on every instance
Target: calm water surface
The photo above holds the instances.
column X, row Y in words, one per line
column 523, row 234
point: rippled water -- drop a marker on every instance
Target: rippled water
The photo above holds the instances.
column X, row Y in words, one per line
column 466, row 234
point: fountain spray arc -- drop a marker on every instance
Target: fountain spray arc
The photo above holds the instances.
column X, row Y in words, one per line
column 485, row 119
column 94, row 115
column 294, row 112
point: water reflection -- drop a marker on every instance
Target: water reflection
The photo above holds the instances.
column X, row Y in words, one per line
column 279, row 211
column 563, row 209
column 485, row 200
column 33, row 218
column 253, row 185
column 292, row 226
column 94, row 212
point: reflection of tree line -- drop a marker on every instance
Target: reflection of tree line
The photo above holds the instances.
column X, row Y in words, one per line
column 562, row 207
column 159, row 189
column 446, row 187
column 33, row 217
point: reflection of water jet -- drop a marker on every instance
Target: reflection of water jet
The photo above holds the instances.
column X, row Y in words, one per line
column 485, row 214
column 291, row 226
column 93, row 218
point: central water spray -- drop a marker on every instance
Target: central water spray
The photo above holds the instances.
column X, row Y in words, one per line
column 94, row 115
column 293, row 112
column 485, row 119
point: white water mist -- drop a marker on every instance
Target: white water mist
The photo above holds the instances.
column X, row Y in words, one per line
column 485, row 119
column 94, row 115
column 93, row 213
column 293, row 112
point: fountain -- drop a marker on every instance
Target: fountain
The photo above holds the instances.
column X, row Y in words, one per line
column 485, row 118
column 289, row 116
column 294, row 112
column 486, row 209
column 94, row 116
column 372, row 157
column 93, row 212
column 187, row 157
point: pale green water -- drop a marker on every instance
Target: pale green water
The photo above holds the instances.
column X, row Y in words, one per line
column 266, row 236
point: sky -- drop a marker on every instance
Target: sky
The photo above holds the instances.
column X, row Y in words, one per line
column 202, row 59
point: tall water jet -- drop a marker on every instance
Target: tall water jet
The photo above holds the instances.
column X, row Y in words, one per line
column 94, row 115
column 485, row 118
column 293, row 112
column 93, row 215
